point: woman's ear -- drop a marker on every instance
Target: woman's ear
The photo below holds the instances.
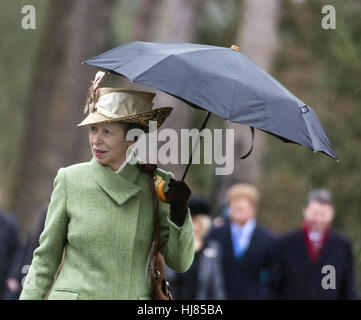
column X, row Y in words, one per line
column 129, row 143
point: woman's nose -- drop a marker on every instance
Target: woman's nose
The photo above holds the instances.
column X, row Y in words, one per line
column 96, row 138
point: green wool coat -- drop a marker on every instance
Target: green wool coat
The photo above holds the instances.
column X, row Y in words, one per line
column 103, row 221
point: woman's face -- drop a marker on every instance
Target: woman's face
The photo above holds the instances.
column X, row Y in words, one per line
column 108, row 144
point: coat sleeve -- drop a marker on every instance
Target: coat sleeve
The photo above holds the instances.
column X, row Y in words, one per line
column 176, row 243
column 47, row 257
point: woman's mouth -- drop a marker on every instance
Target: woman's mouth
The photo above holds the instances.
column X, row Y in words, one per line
column 98, row 153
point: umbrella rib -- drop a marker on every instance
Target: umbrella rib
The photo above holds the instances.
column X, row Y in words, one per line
column 146, row 70
column 162, row 59
column 198, row 141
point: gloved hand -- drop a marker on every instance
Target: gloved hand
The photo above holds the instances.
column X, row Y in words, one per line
column 178, row 194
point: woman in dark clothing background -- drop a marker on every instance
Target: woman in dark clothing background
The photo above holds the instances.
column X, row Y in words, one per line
column 22, row 258
column 204, row 279
column 10, row 248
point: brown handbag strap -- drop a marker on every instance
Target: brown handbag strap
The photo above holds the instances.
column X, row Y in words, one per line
column 157, row 274
column 156, row 220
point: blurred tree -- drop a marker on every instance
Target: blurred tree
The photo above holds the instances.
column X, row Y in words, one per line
column 74, row 32
column 324, row 68
column 259, row 42
column 178, row 22
column 15, row 69
column 218, row 25
column 146, row 19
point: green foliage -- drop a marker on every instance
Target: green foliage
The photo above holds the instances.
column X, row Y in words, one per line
column 323, row 68
column 18, row 49
column 218, row 24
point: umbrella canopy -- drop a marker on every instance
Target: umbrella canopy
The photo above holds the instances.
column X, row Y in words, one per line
column 222, row 81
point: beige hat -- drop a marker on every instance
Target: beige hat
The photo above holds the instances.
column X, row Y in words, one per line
column 125, row 105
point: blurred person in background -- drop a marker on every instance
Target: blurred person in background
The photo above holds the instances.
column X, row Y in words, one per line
column 204, row 279
column 314, row 262
column 220, row 220
column 246, row 246
column 10, row 246
column 32, row 242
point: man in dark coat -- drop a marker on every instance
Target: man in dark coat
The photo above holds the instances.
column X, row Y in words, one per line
column 10, row 245
column 314, row 262
column 246, row 246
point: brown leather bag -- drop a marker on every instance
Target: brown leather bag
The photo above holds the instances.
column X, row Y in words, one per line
column 157, row 279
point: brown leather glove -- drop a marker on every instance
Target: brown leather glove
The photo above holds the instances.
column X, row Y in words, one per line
column 178, row 194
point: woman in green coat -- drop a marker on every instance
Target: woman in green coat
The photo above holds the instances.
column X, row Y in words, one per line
column 100, row 214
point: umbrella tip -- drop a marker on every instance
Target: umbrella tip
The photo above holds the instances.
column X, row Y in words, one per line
column 236, row 48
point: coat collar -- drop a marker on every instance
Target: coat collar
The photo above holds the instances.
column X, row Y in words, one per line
column 119, row 186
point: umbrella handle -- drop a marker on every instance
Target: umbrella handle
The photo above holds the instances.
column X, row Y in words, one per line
column 159, row 186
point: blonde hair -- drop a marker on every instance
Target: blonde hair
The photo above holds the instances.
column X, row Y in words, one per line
column 205, row 222
column 243, row 190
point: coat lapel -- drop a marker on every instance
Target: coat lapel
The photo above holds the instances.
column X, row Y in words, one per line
column 119, row 186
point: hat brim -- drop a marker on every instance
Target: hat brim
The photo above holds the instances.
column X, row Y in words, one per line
column 142, row 118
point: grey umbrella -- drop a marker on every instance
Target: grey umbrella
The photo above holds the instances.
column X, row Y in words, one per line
column 222, row 81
